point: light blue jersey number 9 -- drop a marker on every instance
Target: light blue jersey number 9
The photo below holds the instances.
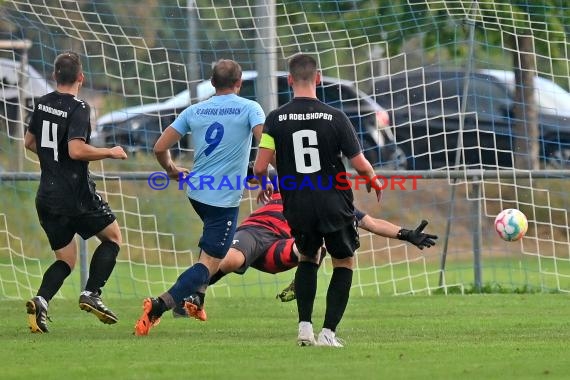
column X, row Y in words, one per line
column 214, row 135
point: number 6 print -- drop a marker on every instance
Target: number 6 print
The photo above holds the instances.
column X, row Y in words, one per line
column 301, row 152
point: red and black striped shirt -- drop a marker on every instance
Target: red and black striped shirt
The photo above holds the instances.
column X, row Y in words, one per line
column 270, row 217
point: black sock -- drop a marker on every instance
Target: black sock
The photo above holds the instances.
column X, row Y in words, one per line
column 160, row 309
column 102, row 265
column 306, row 289
column 216, row 277
column 337, row 297
column 201, row 297
column 53, row 279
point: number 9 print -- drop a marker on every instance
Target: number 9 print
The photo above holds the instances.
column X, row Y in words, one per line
column 213, row 137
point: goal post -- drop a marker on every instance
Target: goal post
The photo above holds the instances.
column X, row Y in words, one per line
column 22, row 77
column 455, row 107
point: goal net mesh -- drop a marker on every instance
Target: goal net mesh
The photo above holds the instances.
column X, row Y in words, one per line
column 145, row 60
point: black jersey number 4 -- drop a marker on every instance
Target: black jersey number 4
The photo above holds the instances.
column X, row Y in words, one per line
column 49, row 137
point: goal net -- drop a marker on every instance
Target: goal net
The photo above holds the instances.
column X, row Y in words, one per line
column 471, row 96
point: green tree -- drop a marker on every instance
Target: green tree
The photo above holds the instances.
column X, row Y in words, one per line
column 533, row 30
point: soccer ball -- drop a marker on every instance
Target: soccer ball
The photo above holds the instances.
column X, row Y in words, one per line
column 511, row 224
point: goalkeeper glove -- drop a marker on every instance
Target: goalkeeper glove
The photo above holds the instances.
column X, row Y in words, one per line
column 417, row 237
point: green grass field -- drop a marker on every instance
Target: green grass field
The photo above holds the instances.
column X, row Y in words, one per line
column 407, row 337
column 516, row 275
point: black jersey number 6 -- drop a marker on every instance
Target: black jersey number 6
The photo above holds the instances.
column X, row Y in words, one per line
column 307, row 158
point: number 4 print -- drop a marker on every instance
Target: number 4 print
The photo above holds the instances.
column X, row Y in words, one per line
column 49, row 140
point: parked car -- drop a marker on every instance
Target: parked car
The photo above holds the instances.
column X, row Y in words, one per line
column 550, row 97
column 137, row 128
column 12, row 89
column 425, row 108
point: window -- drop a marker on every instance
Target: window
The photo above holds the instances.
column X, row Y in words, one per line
column 488, row 99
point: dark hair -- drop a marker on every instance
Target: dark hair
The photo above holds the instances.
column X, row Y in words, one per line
column 225, row 74
column 302, row 67
column 67, row 67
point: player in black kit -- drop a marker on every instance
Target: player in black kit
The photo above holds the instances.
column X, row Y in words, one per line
column 66, row 200
column 308, row 138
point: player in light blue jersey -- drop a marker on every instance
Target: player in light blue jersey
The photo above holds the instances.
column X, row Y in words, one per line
column 217, row 125
column 222, row 129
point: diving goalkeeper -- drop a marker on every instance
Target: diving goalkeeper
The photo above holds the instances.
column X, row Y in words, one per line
column 263, row 241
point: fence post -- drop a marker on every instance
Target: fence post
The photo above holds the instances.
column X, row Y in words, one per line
column 477, row 225
column 22, row 80
column 458, row 154
column 83, row 265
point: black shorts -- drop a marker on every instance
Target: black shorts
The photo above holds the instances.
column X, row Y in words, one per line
column 253, row 243
column 60, row 229
column 340, row 244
